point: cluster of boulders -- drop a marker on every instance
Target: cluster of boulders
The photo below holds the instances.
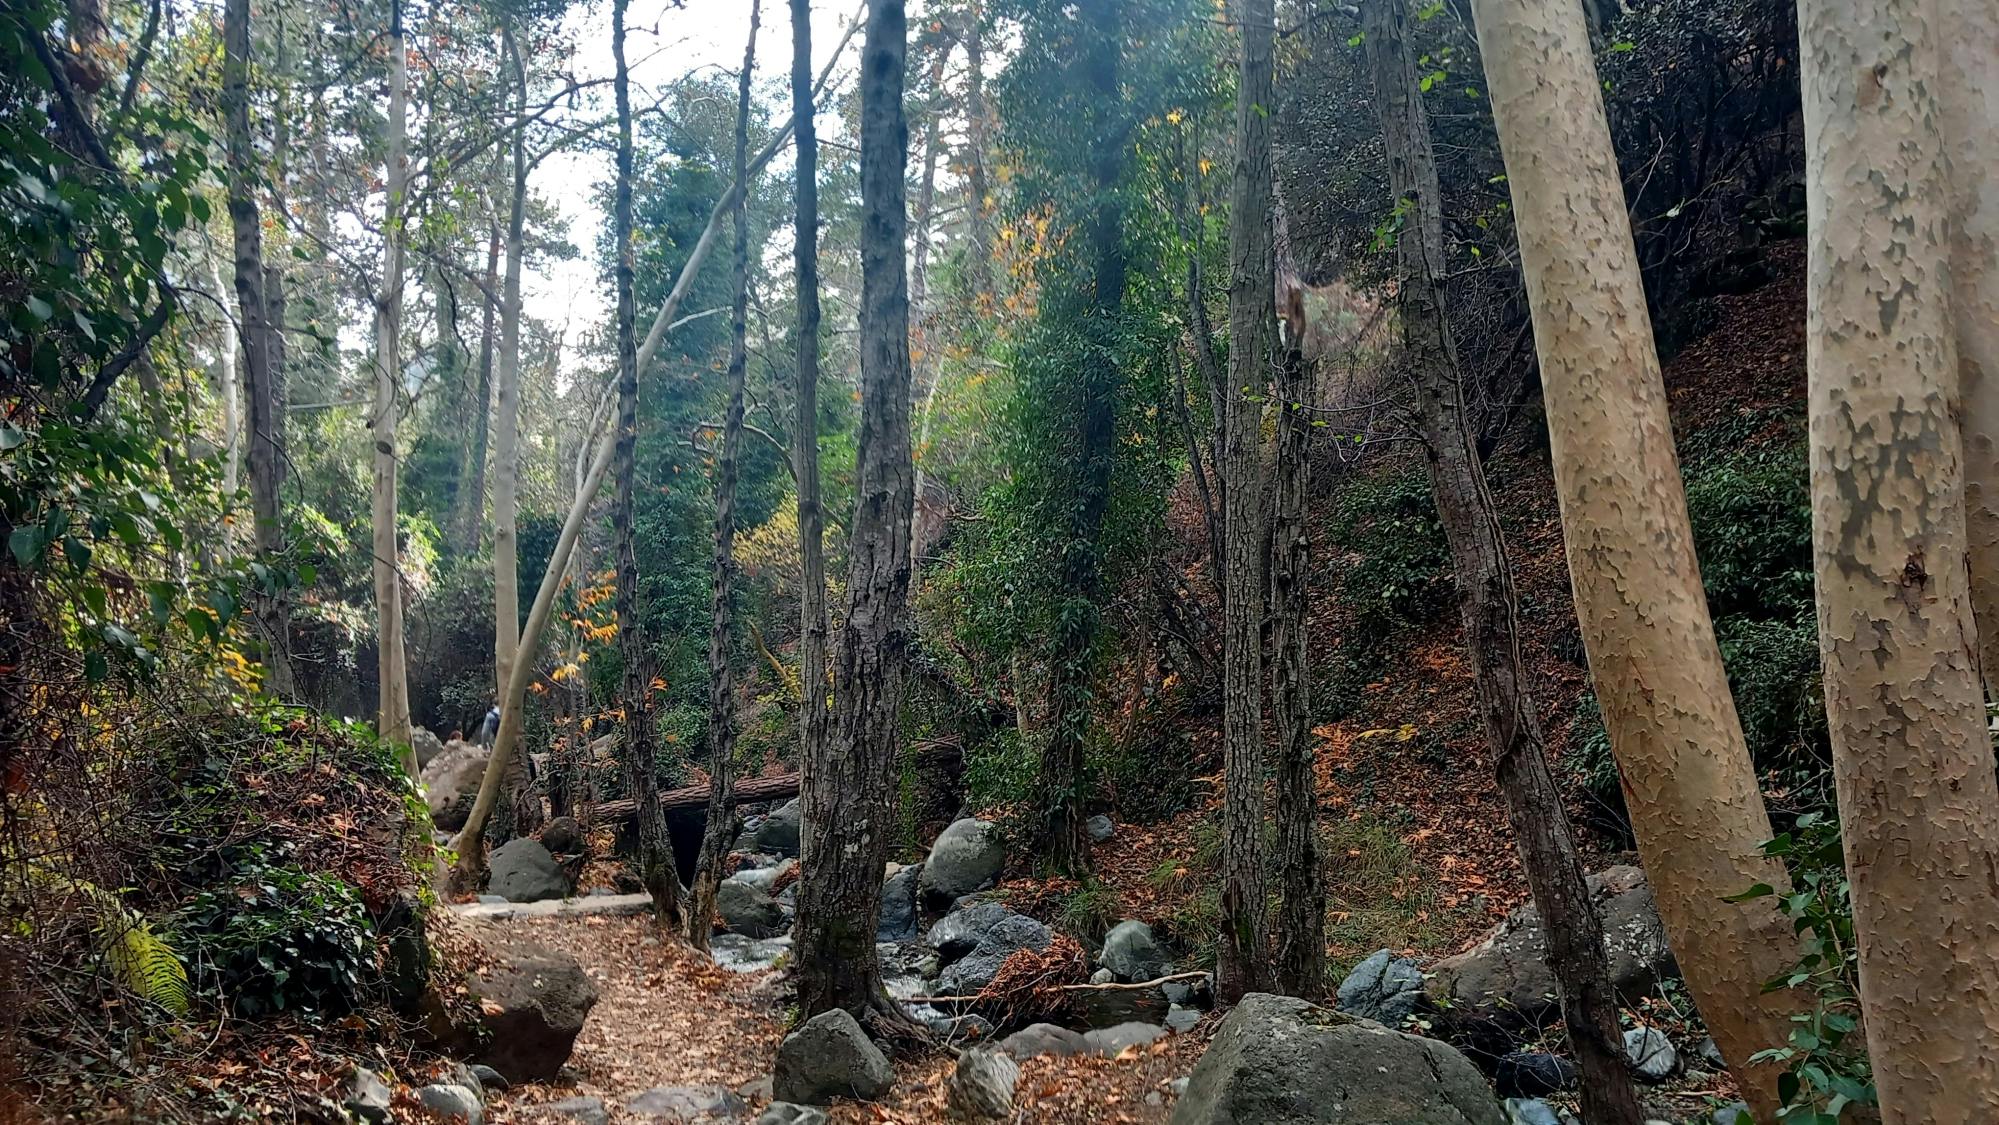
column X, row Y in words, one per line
column 458, row 1093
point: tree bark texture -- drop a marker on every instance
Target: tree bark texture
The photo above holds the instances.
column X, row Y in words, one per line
column 1488, row 603
column 1301, row 882
column 393, row 714
column 978, row 185
column 470, row 503
column 1688, row 782
column 640, row 749
column 1244, row 962
column 1919, row 806
column 719, row 827
column 507, row 390
column 848, row 802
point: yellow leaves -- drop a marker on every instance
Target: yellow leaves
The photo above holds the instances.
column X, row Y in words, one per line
column 1403, row 733
column 1205, row 165
column 1175, row 116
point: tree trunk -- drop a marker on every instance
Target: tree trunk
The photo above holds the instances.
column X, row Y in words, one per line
column 1072, row 666
column 1918, row 802
column 719, row 828
column 848, row 800
column 1971, row 136
column 470, row 841
column 656, row 867
column 1488, row 603
column 1301, row 883
column 812, row 721
column 924, row 363
column 228, row 384
column 470, row 503
column 1244, row 963
column 507, row 392
column 978, row 189
column 1688, row 782
column 393, row 715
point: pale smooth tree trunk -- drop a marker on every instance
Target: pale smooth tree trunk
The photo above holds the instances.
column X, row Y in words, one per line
column 848, row 809
column 470, row 868
column 1688, row 782
column 1244, row 963
column 1969, row 96
column 507, row 392
column 720, row 825
column 978, row 180
column 813, row 718
column 471, row 499
column 393, row 715
column 228, row 383
column 1488, row 602
column 1918, row 802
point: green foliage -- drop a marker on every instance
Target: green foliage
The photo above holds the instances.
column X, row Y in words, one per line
column 276, row 937
column 1752, row 521
column 143, row 962
column 1400, row 577
column 1090, row 911
column 1000, row 771
column 1826, row 1068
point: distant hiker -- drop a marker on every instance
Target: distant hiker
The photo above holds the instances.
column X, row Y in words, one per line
column 490, row 728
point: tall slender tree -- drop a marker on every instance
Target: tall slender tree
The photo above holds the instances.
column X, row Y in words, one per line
column 848, row 814
column 392, row 670
column 507, row 383
column 1488, row 604
column 639, row 750
column 1693, row 796
column 719, row 828
column 1244, row 963
column 1918, row 801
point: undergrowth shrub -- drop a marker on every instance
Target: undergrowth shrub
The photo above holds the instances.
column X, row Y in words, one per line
column 275, row 937
column 1400, row 574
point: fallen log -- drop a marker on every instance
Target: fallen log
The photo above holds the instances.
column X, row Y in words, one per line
column 747, row 791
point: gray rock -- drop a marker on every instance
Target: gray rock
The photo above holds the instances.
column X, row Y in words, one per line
column 565, row 836
column 1734, row 1113
column 1383, row 988
column 1198, row 992
column 828, row 1057
column 1283, row 1061
column 458, row 1074
column 1103, row 976
column 427, row 746
column 981, row 1085
column 1179, row 1085
column 1132, row 953
column 590, row 1111
column 532, row 1003
column 1710, row 1054
column 1530, row 1074
column 368, row 1095
column 764, row 877
column 523, row 871
column 1100, row 828
column 1650, row 1054
column 1534, row 1111
column 756, row 1089
column 451, row 782
column 967, row 857
column 490, row 1081
column 778, row 833
column 785, row 1113
column 1043, row 1039
column 898, row 921
column 1508, row 973
column 972, row 943
column 747, row 910
column 686, row 1103
column 1181, row 1020
column 453, row 1103
column 1113, row 1041
column 491, row 900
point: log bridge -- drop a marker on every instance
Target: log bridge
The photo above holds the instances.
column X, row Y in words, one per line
column 747, row 791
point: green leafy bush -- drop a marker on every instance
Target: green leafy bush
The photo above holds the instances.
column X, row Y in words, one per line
column 276, row 938
column 1400, row 577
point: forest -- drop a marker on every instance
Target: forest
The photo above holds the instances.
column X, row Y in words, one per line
column 1183, row 562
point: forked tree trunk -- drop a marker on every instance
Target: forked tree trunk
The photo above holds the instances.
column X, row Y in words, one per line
column 393, row 714
column 1692, row 793
column 848, row 806
column 1918, row 802
column 1488, row 603
column 640, row 751
column 1971, row 138
column 1244, row 962
column 719, row 828
column 813, row 718
column 1072, row 670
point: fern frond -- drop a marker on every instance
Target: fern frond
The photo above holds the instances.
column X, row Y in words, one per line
column 146, row 964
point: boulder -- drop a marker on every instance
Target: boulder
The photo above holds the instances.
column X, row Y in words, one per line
column 1383, row 988
column 490, row 1081
column 1734, row 1113
column 522, row 870
column 981, row 1085
column 1100, row 828
column 747, row 910
column 828, row 1057
column 368, row 1096
column 528, row 1004
column 785, row 1113
column 1710, row 1054
column 589, row 1111
column 898, row 920
column 1650, row 1054
column 564, row 836
column 1043, row 1039
column 1506, row 974
column 1534, row 1111
column 1111, row 1042
column 1278, row 1060
column 427, row 746
column 1530, row 1074
column 687, row 1103
column 452, row 1103
column 1131, row 952
column 973, row 942
column 1182, row 1020
column 967, row 857
column 451, row 783
column 778, row 833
